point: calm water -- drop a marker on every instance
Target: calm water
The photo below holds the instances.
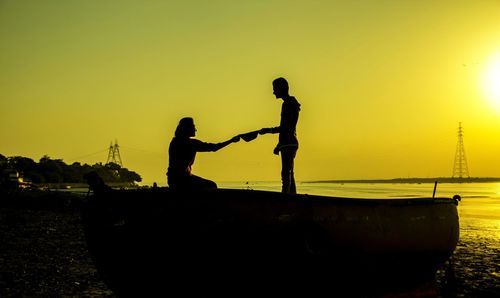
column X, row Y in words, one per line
column 380, row 190
column 474, row 269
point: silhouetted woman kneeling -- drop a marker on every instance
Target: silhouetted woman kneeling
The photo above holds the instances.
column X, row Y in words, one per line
column 182, row 152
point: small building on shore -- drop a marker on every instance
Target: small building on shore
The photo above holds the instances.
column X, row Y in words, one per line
column 11, row 178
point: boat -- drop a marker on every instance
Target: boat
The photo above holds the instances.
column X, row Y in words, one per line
column 231, row 242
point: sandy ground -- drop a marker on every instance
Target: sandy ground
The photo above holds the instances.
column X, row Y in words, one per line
column 43, row 253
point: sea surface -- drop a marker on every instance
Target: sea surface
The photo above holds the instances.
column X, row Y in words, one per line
column 379, row 190
column 474, row 268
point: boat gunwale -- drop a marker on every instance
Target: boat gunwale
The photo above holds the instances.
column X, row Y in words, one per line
column 225, row 193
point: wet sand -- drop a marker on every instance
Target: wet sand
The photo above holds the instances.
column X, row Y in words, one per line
column 474, row 269
column 43, row 252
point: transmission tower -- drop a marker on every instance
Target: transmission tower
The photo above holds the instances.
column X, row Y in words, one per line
column 460, row 168
column 114, row 154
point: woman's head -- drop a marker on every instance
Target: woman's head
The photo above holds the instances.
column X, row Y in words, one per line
column 185, row 128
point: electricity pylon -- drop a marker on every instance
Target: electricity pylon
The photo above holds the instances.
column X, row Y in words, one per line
column 114, row 154
column 460, row 168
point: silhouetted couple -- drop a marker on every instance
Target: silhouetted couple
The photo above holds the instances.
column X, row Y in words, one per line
column 183, row 147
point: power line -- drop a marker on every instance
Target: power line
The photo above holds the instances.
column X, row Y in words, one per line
column 143, row 151
column 87, row 155
column 110, row 150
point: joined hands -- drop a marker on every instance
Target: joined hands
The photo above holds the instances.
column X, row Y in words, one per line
column 263, row 131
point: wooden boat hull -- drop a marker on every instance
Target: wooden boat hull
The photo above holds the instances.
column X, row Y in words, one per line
column 155, row 240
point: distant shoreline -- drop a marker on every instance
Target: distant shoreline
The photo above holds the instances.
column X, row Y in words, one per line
column 414, row 180
column 77, row 185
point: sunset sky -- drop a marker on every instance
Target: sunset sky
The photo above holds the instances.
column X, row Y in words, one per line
column 383, row 84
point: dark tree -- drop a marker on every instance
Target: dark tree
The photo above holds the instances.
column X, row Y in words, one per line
column 49, row 170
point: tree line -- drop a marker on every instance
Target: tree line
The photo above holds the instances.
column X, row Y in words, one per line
column 49, row 170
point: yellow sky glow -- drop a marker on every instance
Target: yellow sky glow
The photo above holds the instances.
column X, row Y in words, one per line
column 491, row 82
column 383, row 84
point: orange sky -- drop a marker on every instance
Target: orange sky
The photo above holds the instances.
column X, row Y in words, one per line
column 383, row 84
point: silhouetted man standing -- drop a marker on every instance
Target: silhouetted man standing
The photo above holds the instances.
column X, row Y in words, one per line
column 288, row 143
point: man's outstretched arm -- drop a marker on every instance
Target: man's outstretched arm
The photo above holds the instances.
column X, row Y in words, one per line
column 263, row 131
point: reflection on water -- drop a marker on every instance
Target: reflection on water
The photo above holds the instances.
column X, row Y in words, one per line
column 474, row 268
column 379, row 190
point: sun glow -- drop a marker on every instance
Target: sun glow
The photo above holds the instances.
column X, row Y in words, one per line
column 491, row 82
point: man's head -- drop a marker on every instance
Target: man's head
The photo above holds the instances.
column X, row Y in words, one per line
column 280, row 87
column 186, row 128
